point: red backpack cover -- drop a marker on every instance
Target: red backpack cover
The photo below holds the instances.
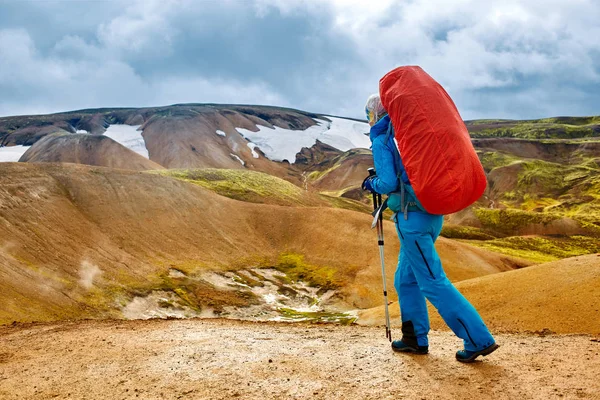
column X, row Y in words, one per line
column 433, row 141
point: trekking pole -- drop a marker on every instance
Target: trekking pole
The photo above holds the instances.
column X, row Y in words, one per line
column 376, row 204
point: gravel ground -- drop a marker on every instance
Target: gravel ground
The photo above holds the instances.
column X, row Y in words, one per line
column 223, row 359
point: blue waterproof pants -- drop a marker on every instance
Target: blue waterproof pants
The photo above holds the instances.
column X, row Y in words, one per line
column 420, row 276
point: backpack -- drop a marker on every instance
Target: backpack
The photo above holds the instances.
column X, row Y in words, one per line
column 433, row 141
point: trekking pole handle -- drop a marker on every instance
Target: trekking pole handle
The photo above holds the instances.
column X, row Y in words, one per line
column 372, row 172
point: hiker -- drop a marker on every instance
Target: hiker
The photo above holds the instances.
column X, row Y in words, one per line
column 419, row 274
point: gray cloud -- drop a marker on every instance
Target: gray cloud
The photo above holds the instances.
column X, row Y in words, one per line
column 509, row 59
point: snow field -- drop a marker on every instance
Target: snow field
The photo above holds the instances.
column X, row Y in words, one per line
column 280, row 144
column 12, row 153
column 128, row 136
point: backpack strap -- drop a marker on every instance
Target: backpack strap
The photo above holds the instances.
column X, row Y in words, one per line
column 395, row 152
column 403, row 204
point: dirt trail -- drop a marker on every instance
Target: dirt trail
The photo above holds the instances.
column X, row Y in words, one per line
column 221, row 359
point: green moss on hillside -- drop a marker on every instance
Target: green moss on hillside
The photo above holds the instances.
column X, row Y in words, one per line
column 577, row 121
column 541, row 249
column 476, row 122
column 317, row 175
column 549, row 128
column 552, row 187
column 496, row 159
column 465, row 232
column 532, row 203
column 297, row 269
column 257, row 187
column 543, row 176
column 510, row 221
column 347, row 204
column 244, row 185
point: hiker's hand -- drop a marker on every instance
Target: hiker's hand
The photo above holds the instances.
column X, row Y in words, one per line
column 368, row 183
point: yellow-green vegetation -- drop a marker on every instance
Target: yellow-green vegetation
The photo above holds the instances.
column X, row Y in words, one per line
column 559, row 190
column 476, row 122
column 347, row 204
column 337, row 162
column 541, row 249
column 316, row 175
column 543, row 176
column 297, row 269
column 317, row 316
column 187, row 267
column 577, row 121
column 548, row 128
column 335, row 193
column 258, row 187
column 465, row 232
column 495, row 159
column 249, row 279
column 187, row 289
column 197, row 294
column 569, row 190
column 510, row 221
column 545, row 191
column 244, row 185
column 531, row 203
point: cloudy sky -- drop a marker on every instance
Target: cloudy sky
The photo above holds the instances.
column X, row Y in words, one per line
column 497, row 59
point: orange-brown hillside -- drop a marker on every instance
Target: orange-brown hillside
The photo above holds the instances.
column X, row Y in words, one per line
column 562, row 296
column 86, row 149
column 78, row 241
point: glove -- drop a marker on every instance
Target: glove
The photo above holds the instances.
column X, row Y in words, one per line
column 368, row 183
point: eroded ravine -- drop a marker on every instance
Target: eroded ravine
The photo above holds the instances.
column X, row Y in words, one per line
column 271, row 295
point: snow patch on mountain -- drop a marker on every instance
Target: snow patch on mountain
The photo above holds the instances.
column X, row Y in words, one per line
column 129, row 136
column 252, row 146
column 221, row 133
column 280, row 144
column 346, row 134
column 12, row 153
column 238, row 158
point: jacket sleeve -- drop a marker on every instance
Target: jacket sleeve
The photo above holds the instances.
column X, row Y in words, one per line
column 387, row 178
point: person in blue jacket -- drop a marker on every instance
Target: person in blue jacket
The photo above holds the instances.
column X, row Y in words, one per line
column 419, row 274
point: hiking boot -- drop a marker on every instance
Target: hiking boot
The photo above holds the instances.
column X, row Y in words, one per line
column 409, row 343
column 467, row 356
column 402, row 347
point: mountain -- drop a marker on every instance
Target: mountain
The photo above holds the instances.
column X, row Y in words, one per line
column 260, row 138
column 541, row 203
column 256, row 212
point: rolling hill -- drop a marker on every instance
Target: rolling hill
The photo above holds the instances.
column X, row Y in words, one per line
column 560, row 297
column 81, row 241
column 95, row 150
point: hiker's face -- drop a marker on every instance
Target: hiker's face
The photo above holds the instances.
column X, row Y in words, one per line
column 370, row 117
